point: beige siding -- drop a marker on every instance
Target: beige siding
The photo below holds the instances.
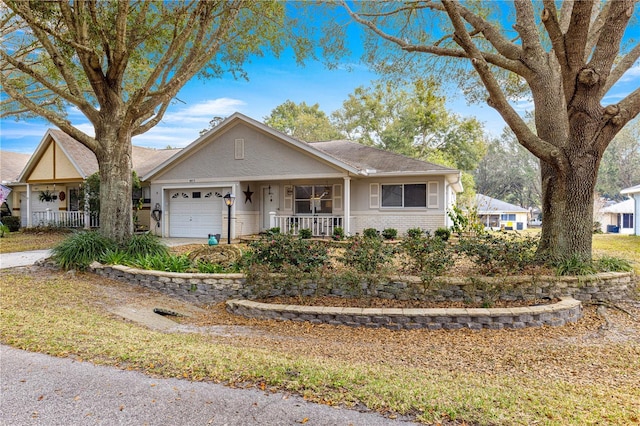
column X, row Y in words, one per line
column 44, row 169
column 262, row 156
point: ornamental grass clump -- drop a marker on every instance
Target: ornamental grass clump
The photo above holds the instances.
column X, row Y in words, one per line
column 81, row 249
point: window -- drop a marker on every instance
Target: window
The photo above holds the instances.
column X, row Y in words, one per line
column 313, row 199
column 627, row 220
column 407, row 195
column 510, row 216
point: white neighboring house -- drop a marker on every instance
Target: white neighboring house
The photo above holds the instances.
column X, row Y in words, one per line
column 618, row 218
column 634, row 193
column 498, row 214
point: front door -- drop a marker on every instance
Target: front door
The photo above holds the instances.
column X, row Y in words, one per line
column 270, row 203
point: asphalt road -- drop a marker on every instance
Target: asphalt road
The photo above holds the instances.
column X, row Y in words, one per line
column 36, row 389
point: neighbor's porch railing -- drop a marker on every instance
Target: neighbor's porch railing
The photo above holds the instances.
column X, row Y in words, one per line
column 65, row 219
column 320, row 226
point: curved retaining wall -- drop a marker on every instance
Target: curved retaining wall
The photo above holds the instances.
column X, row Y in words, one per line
column 214, row 288
column 557, row 314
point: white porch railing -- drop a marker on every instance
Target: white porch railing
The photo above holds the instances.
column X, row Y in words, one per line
column 320, row 226
column 65, row 219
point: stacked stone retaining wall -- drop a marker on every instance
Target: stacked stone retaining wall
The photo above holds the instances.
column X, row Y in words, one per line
column 213, row 288
column 557, row 314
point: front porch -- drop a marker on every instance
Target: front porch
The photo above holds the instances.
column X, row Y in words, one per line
column 65, row 219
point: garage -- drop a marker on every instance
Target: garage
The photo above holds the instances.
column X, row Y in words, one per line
column 194, row 213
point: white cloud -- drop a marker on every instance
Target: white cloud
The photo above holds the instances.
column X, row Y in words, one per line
column 632, row 73
column 202, row 112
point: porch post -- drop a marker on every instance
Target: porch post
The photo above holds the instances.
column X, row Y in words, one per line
column 347, row 205
column 272, row 219
column 87, row 209
column 28, row 205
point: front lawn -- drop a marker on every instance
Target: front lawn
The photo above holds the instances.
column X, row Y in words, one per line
column 32, row 240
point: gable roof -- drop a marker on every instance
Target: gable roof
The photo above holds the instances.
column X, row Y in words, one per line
column 488, row 205
column 11, row 164
column 625, row 206
column 352, row 157
column 84, row 160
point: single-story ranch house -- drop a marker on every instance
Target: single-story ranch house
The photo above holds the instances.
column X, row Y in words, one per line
column 620, row 217
column 277, row 181
column 497, row 214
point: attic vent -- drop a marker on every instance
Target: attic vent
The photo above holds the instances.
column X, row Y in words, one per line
column 239, row 148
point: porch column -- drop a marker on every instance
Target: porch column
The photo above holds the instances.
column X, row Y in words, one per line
column 28, row 205
column 347, row 205
column 272, row 219
column 87, row 209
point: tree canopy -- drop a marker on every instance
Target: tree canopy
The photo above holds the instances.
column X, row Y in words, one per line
column 121, row 64
column 301, row 121
column 566, row 59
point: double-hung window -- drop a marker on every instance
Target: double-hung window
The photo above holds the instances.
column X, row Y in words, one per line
column 406, row 195
column 313, row 199
column 627, row 220
column 510, row 216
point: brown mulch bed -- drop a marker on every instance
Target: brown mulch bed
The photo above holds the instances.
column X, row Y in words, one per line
column 374, row 302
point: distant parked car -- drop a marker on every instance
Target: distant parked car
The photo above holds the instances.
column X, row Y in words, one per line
column 535, row 222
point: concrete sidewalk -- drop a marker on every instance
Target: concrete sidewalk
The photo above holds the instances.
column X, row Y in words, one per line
column 23, row 258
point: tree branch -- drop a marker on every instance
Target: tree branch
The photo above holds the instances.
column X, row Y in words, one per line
column 540, row 148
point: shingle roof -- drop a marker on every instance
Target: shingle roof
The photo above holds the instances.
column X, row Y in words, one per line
column 369, row 158
column 11, row 164
column 488, row 205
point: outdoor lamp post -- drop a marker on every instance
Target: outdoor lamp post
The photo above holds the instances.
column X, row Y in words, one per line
column 228, row 200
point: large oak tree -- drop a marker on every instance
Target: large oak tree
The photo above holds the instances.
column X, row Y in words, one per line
column 567, row 58
column 121, row 63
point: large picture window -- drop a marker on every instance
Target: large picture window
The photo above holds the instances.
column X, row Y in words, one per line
column 407, row 195
column 313, row 199
column 508, row 216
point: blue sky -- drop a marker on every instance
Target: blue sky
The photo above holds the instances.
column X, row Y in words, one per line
column 271, row 82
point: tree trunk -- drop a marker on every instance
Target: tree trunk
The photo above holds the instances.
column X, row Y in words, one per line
column 567, row 213
column 115, row 166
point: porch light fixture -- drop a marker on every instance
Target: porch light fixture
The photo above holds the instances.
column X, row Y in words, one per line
column 229, row 199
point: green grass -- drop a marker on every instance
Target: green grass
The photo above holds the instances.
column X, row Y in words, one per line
column 616, row 245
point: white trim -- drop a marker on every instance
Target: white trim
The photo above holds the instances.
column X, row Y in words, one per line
column 346, row 222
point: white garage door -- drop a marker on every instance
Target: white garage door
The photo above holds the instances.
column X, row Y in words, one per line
column 194, row 213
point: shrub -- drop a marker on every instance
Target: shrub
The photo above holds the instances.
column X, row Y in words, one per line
column 82, row 248
column 338, row 233
column 12, row 222
column 4, row 229
column 414, row 232
column 370, row 233
column 427, row 255
column 499, row 252
column 142, row 244
column 574, row 265
column 465, row 222
column 305, row 233
column 367, row 255
column 443, row 233
column 389, row 233
column 277, row 250
column 273, row 231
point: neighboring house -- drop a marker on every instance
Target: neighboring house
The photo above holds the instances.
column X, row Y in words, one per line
column 634, row 193
column 11, row 164
column 49, row 186
column 279, row 181
column 620, row 217
column 498, row 214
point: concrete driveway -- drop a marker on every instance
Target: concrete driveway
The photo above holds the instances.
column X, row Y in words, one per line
column 23, row 258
